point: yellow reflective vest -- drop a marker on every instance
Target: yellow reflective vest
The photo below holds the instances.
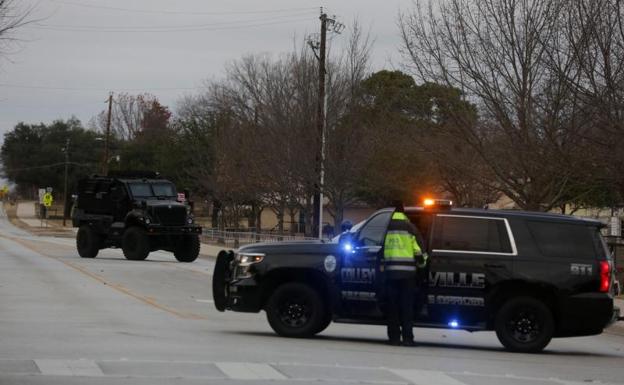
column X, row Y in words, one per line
column 401, row 247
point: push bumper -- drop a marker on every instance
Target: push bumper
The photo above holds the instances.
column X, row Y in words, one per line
column 244, row 296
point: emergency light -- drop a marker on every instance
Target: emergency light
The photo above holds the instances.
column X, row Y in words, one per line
column 431, row 203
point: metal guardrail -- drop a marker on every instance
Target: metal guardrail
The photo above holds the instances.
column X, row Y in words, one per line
column 239, row 238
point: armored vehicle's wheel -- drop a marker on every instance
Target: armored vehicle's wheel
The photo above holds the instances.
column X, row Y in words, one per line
column 187, row 248
column 88, row 242
column 219, row 276
column 524, row 324
column 135, row 244
column 296, row 310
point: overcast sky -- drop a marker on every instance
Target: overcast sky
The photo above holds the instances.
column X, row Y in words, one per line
column 68, row 62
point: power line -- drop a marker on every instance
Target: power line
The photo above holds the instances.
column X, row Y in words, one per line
column 26, row 86
column 52, row 165
column 190, row 29
column 169, row 12
column 175, row 27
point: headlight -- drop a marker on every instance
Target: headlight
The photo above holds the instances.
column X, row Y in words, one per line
column 246, row 259
column 189, row 220
column 148, row 221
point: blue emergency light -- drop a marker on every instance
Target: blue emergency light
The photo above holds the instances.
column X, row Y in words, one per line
column 453, row 324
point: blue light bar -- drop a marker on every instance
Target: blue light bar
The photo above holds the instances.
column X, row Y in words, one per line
column 453, row 323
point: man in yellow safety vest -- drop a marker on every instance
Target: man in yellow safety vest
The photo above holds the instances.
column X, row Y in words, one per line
column 402, row 256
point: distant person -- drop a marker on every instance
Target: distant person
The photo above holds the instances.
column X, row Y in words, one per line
column 402, row 256
column 328, row 231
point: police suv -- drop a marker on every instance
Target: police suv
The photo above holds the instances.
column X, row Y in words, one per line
column 528, row 276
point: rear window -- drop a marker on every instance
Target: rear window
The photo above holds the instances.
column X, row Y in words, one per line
column 471, row 234
column 565, row 240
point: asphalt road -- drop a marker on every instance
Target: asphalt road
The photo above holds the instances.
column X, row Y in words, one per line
column 67, row 320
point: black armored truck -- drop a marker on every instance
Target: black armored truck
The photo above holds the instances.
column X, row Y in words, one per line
column 527, row 276
column 136, row 211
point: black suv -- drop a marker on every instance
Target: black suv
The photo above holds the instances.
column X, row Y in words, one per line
column 528, row 276
column 138, row 212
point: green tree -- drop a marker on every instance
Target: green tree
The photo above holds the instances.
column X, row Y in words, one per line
column 33, row 155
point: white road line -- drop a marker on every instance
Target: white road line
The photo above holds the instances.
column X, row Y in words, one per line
column 426, row 377
column 68, row 367
column 249, row 371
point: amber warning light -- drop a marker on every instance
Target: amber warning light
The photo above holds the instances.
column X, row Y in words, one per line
column 438, row 203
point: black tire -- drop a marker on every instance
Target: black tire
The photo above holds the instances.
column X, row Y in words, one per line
column 326, row 321
column 296, row 310
column 187, row 248
column 88, row 242
column 524, row 324
column 219, row 279
column 135, row 244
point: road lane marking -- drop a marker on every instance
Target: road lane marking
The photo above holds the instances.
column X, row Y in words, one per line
column 425, row 377
column 118, row 287
column 249, row 371
column 204, row 300
column 69, row 368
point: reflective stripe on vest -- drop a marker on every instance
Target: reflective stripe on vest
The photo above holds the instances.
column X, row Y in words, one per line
column 400, row 267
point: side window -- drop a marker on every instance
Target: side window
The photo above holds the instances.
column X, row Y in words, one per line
column 458, row 233
column 117, row 192
column 373, row 232
column 563, row 240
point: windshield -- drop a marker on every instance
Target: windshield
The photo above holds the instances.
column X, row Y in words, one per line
column 353, row 230
column 141, row 190
column 149, row 190
column 164, row 189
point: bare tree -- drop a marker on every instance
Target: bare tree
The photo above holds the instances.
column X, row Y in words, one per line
column 128, row 114
column 498, row 53
column 12, row 16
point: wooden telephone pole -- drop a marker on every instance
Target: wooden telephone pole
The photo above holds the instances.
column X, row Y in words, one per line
column 330, row 24
column 106, row 139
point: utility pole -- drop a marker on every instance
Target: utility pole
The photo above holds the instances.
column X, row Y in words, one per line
column 108, row 124
column 321, row 119
column 67, row 142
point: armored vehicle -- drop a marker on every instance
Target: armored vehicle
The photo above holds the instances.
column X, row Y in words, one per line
column 138, row 212
column 527, row 276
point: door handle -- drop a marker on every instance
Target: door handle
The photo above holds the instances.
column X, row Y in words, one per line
column 494, row 265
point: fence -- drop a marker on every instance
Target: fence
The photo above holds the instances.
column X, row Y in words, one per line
column 239, row 238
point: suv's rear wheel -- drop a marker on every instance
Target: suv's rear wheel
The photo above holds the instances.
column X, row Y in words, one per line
column 296, row 310
column 187, row 248
column 88, row 242
column 524, row 324
column 135, row 244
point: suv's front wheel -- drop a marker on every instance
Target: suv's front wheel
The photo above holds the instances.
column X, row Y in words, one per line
column 187, row 248
column 296, row 310
column 135, row 244
column 524, row 324
column 88, row 242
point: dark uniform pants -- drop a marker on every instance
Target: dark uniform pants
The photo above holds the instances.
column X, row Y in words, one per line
column 400, row 294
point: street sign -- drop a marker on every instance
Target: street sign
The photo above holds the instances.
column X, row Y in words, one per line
column 47, row 199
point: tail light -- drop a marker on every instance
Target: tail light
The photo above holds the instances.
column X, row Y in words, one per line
column 605, row 276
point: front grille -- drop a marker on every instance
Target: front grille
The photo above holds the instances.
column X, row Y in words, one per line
column 171, row 215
